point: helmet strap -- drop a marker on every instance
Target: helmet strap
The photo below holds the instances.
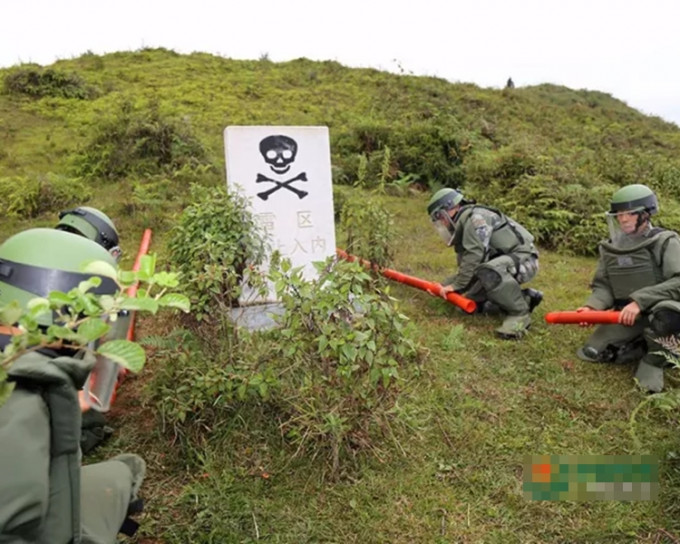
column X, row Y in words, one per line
column 642, row 217
column 42, row 281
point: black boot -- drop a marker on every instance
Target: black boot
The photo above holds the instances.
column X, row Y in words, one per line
column 533, row 296
column 486, row 307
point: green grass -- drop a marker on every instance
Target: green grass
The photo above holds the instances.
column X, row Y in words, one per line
column 452, row 469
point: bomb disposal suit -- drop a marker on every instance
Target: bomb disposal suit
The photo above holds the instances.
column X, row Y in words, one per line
column 639, row 263
column 495, row 256
column 47, row 496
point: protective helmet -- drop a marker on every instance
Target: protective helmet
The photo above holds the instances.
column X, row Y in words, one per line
column 634, row 198
column 444, row 199
column 37, row 261
column 93, row 224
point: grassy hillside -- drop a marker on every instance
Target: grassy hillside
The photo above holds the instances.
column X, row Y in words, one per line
column 550, row 153
column 130, row 132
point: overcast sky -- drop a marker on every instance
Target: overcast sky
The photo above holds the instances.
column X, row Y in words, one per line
column 628, row 49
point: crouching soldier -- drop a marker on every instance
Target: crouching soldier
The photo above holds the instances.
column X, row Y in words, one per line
column 638, row 273
column 47, row 496
column 495, row 254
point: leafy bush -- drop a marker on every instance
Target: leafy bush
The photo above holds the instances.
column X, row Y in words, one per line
column 139, row 142
column 212, row 245
column 196, row 390
column 28, row 197
column 367, row 227
column 560, row 208
column 377, row 151
column 342, row 349
column 666, row 179
column 39, row 83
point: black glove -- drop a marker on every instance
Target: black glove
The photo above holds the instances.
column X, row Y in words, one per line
column 94, row 430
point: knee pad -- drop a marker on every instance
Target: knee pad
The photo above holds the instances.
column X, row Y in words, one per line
column 665, row 322
column 489, row 278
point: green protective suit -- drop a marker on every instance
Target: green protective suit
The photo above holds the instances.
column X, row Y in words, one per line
column 495, row 256
column 649, row 274
column 47, row 497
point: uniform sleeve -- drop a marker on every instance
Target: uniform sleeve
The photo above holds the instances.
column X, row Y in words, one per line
column 476, row 236
column 669, row 289
column 601, row 297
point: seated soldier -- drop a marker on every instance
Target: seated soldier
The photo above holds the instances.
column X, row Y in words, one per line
column 47, row 496
column 495, row 256
column 638, row 273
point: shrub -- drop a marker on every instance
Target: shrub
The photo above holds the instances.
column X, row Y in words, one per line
column 343, row 349
column 28, row 197
column 432, row 152
column 214, row 242
column 197, row 388
column 39, row 83
column 139, row 142
column 560, row 207
column 367, row 227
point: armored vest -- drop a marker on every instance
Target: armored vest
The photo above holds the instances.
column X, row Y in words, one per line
column 636, row 267
column 507, row 235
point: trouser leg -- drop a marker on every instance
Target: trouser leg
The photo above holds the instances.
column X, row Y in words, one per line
column 615, row 343
column 106, row 491
column 501, row 287
column 504, row 290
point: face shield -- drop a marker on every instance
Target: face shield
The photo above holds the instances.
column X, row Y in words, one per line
column 628, row 228
column 443, row 224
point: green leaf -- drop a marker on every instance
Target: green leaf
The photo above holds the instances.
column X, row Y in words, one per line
column 28, row 322
column 57, row 298
column 38, row 305
column 349, row 351
column 175, row 300
column 166, row 279
column 86, row 285
column 11, row 313
column 107, row 302
column 241, row 391
column 127, row 354
column 101, row 268
column 93, row 329
column 141, row 304
column 6, row 389
column 127, row 277
column 147, row 266
column 65, row 333
column 88, row 302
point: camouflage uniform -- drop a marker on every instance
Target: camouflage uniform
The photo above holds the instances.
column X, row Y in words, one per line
column 649, row 274
column 495, row 256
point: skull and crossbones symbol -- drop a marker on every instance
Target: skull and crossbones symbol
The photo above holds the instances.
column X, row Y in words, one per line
column 279, row 153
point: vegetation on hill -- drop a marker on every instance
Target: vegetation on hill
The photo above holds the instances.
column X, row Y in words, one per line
column 550, row 153
column 312, row 433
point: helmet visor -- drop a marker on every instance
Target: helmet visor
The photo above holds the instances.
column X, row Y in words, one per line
column 627, row 229
column 443, row 224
